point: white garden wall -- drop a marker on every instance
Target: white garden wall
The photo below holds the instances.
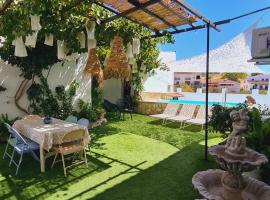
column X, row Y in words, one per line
column 59, row 75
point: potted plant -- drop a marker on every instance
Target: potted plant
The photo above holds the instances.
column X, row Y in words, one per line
column 100, row 113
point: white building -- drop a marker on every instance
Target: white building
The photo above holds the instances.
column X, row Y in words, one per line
column 231, row 57
column 260, row 82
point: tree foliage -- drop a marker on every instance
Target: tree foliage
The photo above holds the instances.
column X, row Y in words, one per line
column 235, row 76
column 64, row 19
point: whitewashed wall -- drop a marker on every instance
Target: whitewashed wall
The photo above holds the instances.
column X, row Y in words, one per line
column 59, row 75
column 112, row 90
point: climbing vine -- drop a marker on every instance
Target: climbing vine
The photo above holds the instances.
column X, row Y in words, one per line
column 64, row 20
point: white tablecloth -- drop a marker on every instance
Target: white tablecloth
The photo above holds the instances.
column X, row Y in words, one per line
column 47, row 135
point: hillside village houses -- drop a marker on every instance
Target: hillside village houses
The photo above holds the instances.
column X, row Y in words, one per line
column 260, row 82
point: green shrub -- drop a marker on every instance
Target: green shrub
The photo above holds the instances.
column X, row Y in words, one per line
column 44, row 101
column 258, row 138
column 89, row 111
column 220, row 120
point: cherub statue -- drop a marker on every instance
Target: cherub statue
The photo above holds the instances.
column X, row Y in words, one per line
column 236, row 143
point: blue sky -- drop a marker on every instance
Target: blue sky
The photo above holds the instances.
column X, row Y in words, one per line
column 194, row 43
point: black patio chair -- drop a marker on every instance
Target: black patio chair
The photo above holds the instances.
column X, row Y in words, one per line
column 111, row 108
column 125, row 108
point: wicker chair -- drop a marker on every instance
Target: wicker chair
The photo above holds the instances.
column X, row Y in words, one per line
column 72, row 143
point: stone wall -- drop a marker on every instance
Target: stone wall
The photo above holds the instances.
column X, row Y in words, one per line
column 151, row 108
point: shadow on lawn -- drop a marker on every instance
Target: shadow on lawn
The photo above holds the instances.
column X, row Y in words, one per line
column 170, row 179
column 101, row 131
column 40, row 186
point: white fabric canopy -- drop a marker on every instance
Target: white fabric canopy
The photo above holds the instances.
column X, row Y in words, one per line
column 231, row 57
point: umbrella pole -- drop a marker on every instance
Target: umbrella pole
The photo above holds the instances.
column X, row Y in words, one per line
column 207, row 92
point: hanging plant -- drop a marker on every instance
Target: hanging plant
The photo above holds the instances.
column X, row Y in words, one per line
column 93, row 66
column 117, row 64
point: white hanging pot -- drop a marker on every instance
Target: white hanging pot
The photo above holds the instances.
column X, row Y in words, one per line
column 81, row 38
column 20, row 49
column 61, row 50
column 90, row 28
column 31, row 40
column 92, row 44
column 136, row 46
column 129, row 51
column 35, row 25
column 49, row 40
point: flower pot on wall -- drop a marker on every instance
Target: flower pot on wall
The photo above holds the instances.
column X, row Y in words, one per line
column 129, row 51
column 61, row 50
column 92, row 43
column 49, row 40
column 31, row 39
column 90, row 28
column 20, row 49
column 136, row 46
column 35, row 25
column 81, row 38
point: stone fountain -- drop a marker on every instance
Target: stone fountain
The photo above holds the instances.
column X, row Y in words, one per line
column 234, row 158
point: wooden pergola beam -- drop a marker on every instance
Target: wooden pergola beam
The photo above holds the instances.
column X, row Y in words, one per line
column 197, row 14
column 138, row 5
column 115, row 12
column 176, row 13
column 132, row 10
column 5, row 6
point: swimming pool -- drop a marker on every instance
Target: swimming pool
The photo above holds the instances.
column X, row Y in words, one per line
column 182, row 101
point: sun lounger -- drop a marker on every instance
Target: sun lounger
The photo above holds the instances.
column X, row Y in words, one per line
column 170, row 111
column 185, row 113
column 200, row 117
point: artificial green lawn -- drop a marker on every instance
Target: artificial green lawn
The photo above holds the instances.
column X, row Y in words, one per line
column 130, row 160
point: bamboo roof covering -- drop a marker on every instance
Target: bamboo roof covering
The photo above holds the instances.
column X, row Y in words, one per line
column 158, row 15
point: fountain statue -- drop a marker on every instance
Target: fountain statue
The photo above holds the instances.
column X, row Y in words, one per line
column 234, row 158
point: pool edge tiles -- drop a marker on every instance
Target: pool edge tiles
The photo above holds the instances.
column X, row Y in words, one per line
column 194, row 102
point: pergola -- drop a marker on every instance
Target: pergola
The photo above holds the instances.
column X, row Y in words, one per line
column 162, row 16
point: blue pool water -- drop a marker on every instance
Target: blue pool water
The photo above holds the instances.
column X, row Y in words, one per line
column 182, row 101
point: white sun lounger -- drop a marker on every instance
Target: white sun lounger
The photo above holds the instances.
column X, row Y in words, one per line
column 185, row 113
column 170, row 111
column 200, row 117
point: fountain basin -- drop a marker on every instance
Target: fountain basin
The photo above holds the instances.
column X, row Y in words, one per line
column 228, row 162
column 209, row 185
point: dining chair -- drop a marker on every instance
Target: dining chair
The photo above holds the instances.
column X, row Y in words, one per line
column 71, row 119
column 21, row 146
column 83, row 122
column 71, row 143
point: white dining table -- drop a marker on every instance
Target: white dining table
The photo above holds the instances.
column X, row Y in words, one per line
column 47, row 135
